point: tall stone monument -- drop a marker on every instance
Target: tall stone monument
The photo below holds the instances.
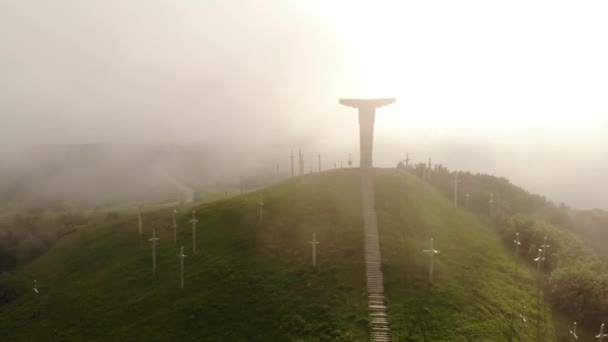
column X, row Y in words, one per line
column 367, row 116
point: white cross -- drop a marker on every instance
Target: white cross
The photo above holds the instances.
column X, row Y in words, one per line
column 517, row 244
column 261, row 204
column 601, row 335
column 544, row 246
column 522, row 315
column 181, row 255
column 193, row 221
column 140, row 225
column 153, row 239
column 36, row 287
column 174, row 226
column 539, row 259
column 314, row 243
column 431, row 251
column 573, row 331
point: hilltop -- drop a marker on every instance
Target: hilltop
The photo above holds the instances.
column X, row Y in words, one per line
column 252, row 281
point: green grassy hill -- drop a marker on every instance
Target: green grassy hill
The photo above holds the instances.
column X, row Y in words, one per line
column 253, row 281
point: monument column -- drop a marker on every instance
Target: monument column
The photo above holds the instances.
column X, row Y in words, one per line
column 367, row 116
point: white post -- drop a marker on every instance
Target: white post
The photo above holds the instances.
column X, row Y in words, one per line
column 431, row 251
column 456, row 181
column 140, row 226
column 261, row 204
column 544, row 246
column 522, row 315
column 430, row 171
column 601, row 335
column 573, row 331
column 181, row 255
column 314, row 243
column 36, row 286
column 153, row 239
column 193, row 221
column 491, row 204
column 466, row 203
column 407, row 160
column 174, row 226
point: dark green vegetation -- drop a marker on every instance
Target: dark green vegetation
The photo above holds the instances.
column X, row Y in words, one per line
column 254, row 281
column 574, row 278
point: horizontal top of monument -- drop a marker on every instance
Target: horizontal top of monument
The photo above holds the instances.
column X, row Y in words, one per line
column 374, row 103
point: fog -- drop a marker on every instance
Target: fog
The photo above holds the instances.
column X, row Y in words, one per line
column 517, row 90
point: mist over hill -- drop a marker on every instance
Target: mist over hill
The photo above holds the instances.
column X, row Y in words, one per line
column 93, row 175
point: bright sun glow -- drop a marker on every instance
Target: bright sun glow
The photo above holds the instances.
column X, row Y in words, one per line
column 518, row 68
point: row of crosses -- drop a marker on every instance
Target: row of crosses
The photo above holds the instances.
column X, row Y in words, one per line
column 154, row 241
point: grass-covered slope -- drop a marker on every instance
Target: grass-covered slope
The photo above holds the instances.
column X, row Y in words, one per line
column 473, row 296
column 255, row 282
column 248, row 282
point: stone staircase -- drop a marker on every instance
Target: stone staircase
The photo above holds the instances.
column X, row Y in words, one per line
column 375, row 282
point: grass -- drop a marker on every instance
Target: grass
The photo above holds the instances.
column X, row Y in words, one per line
column 473, row 297
column 254, row 282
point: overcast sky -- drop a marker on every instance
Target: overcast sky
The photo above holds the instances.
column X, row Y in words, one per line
column 518, row 88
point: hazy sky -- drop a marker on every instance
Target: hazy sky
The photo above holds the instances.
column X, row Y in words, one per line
column 518, row 88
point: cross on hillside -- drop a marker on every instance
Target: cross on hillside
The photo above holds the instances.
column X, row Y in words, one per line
column 539, row 259
column 154, row 240
column 261, row 204
column 193, row 221
column 544, row 246
column 601, row 335
column 522, row 315
column 431, row 252
column 140, row 226
column 314, row 243
column 319, row 161
column 181, row 255
column 292, row 173
column 517, row 243
column 456, row 181
column 174, row 226
column 573, row 331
